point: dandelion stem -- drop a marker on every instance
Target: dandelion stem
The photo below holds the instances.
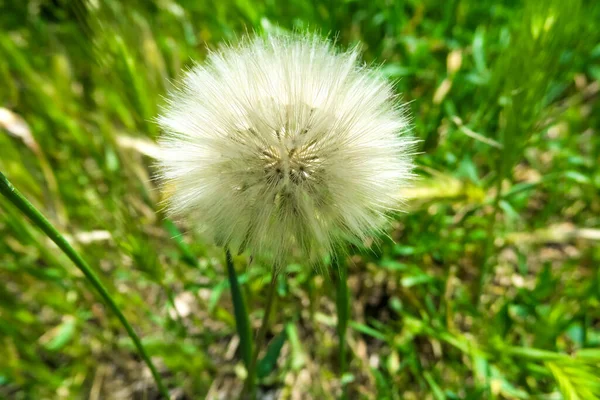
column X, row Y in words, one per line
column 242, row 322
column 343, row 310
column 15, row 197
column 261, row 334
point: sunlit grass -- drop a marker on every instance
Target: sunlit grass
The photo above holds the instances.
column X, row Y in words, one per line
column 504, row 99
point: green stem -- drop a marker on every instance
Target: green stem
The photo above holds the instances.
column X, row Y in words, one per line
column 343, row 311
column 242, row 322
column 489, row 246
column 15, row 197
column 249, row 385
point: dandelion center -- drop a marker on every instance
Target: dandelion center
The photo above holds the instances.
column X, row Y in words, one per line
column 289, row 162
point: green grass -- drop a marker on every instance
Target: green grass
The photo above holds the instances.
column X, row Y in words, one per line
column 504, row 98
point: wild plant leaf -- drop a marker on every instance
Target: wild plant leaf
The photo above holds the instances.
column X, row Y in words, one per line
column 269, row 361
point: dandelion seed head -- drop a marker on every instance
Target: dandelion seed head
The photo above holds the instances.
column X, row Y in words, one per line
column 281, row 144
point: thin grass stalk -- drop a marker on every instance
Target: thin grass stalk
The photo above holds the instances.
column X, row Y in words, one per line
column 504, row 166
column 343, row 311
column 488, row 258
column 242, row 322
column 16, row 198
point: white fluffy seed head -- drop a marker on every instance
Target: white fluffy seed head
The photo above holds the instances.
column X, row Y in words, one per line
column 282, row 143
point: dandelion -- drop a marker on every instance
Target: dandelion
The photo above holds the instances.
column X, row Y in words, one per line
column 283, row 144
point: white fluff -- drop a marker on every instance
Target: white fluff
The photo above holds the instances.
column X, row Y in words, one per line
column 283, row 143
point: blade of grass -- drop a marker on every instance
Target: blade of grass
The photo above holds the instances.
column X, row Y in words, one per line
column 177, row 236
column 269, row 361
column 242, row 322
column 15, row 197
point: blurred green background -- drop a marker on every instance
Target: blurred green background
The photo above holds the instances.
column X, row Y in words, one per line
column 487, row 288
